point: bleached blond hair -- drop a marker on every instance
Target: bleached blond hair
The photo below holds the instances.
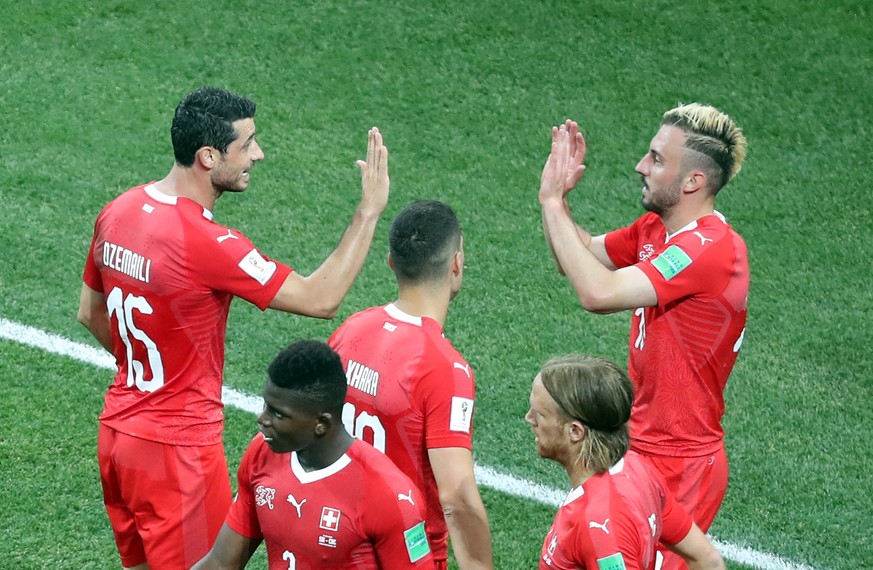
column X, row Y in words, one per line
column 712, row 134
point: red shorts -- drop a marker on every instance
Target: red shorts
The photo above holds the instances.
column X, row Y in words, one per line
column 699, row 484
column 166, row 503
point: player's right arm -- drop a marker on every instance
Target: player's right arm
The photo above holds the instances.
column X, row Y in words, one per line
column 321, row 293
column 95, row 316
column 462, row 506
column 601, row 288
column 697, row 551
column 231, row 551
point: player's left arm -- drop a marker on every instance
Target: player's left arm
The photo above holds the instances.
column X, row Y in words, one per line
column 231, row 551
column 95, row 316
column 462, row 505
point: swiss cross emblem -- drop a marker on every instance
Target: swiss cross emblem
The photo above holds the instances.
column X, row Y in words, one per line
column 330, row 519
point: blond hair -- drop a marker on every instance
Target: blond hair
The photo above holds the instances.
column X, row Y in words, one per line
column 599, row 395
column 712, row 134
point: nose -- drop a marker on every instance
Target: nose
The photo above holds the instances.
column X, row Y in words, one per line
column 258, row 153
column 528, row 418
column 264, row 417
column 643, row 165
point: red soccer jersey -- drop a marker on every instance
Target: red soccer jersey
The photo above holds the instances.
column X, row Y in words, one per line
column 169, row 274
column 614, row 520
column 359, row 513
column 409, row 391
column 681, row 351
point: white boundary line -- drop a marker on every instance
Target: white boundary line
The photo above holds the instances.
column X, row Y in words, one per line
column 486, row 476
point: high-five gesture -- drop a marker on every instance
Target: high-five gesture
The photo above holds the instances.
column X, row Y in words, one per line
column 374, row 174
column 564, row 166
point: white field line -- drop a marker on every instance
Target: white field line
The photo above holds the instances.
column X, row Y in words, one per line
column 487, row 476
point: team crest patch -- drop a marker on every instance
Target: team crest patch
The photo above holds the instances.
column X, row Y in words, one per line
column 671, row 261
column 257, row 267
column 612, row 562
column 462, row 414
column 416, row 542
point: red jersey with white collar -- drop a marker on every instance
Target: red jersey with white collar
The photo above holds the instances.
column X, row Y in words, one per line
column 681, row 351
column 169, row 274
column 614, row 520
column 360, row 513
column 409, row 391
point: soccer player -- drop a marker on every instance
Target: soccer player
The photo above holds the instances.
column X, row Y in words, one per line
column 158, row 282
column 619, row 508
column 685, row 274
column 316, row 496
column 411, row 393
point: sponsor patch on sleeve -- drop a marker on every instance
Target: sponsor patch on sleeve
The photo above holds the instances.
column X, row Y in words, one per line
column 671, row 261
column 416, row 542
column 611, row 562
column 462, row 414
column 257, row 267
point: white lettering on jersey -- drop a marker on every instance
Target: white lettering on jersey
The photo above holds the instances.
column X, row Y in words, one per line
column 148, row 208
column 592, row 524
column 640, row 342
column 647, row 252
column 327, row 540
column 362, row 378
column 257, row 267
column 127, row 262
column 462, row 414
column 652, row 524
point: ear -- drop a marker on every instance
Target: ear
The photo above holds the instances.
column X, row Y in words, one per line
column 695, row 181
column 457, row 264
column 390, row 261
column 323, row 423
column 207, row 157
column 577, row 431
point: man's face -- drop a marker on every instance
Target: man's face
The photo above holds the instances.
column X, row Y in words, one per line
column 285, row 426
column 549, row 425
column 231, row 172
column 661, row 171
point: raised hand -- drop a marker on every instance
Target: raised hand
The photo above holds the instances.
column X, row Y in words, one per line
column 374, row 174
column 564, row 166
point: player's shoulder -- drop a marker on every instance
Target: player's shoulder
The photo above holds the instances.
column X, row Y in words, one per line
column 376, row 466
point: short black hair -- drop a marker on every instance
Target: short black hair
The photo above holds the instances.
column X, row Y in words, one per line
column 313, row 369
column 205, row 117
column 422, row 240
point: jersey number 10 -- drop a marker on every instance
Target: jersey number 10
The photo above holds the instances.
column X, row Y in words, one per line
column 356, row 424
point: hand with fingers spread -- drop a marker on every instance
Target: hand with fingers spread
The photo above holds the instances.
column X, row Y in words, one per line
column 564, row 166
column 374, row 174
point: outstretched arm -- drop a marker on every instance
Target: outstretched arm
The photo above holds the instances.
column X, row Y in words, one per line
column 321, row 293
column 697, row 551
column 231, row 551
column 463, row 507
column 583, row 259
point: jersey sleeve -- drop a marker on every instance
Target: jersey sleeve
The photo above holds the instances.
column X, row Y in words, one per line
column 225, row 260
column 621, row 245
column 675, row 522
column 242, row 517
column 91, row 274
column 690, row 265
column 395, row 521
column 446, row 396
